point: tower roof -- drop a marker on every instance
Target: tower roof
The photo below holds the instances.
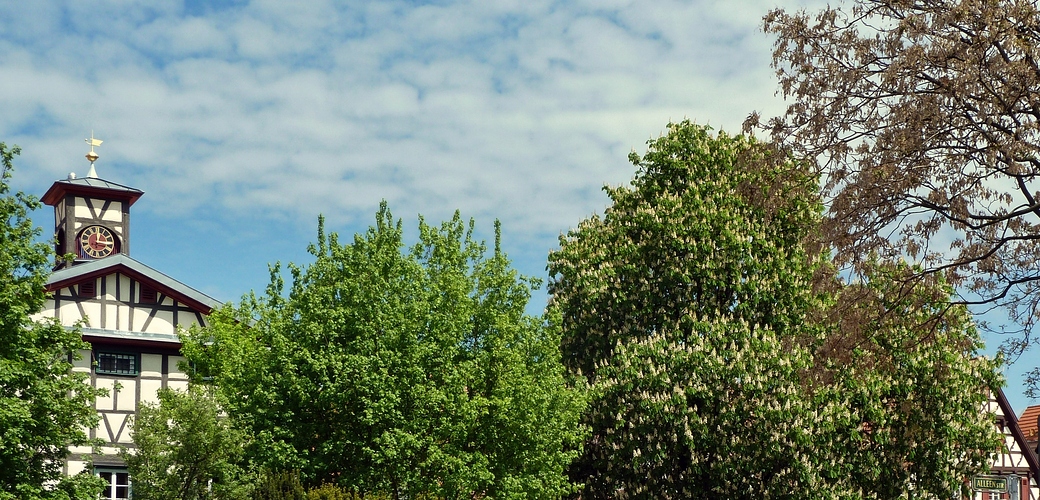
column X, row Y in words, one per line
column 90, row 186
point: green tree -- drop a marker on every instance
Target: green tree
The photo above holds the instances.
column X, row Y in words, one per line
column 405, row 371
column 44, row 406
column 282, row 485
column 184, row 449
column 680, row 306
column 905, row 386
column 722, row 352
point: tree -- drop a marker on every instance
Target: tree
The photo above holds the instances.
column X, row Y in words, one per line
column 184, row 449
column 409, row 372
column 723, row 353
column 925, row 117
column 44, row 406
column 905, row 387
column 680, row 306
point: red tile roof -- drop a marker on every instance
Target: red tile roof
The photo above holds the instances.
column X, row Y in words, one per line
column 1027, row 422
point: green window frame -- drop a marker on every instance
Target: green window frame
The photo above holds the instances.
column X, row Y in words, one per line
column 117, row 363
column 117, row 483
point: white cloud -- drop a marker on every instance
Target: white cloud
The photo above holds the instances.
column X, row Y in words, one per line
column 179, row 37
column 513, row 110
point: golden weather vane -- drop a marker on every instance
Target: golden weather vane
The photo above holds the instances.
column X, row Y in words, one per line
column 92, row 156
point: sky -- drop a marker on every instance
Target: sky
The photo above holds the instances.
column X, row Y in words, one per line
column 242, row 121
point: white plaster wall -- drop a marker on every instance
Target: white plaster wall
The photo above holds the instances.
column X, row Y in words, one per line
column 93, row 313
column 150, row 391
column 106, row 402
column 151, row 365
column 111, row 317
column 83, row 364
column 110, row 286
column 123, row 316
column 80, row 208
column 175, row 372
column 77, row 466
column 68, row 314
column 114, row 212
column 161, row 323
column 124, row 288
column 121, row 427
column 187, row 320
column 47, row 312
column 127, row 399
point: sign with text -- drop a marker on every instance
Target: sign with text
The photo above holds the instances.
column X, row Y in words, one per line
column 990, row 483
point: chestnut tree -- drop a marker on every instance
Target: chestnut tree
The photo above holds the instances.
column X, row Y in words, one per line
column 726, row 357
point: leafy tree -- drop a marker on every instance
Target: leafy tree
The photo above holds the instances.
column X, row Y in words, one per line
column 680, row 306
column 925, row 117
column 725, row 358
column 282, row 485
column 185, row 449
column 905, row 385
column 409, row 372
column 331, row 492
column 44, row 406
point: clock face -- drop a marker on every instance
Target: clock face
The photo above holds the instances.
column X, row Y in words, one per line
column 97, row 242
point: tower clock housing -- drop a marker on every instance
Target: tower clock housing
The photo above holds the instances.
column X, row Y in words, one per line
column 91, row 218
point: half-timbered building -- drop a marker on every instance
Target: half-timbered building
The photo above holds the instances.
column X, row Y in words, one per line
column 1015, row 471
column 128, row 312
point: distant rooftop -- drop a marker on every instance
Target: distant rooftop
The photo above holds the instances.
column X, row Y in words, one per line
column 1028, row 423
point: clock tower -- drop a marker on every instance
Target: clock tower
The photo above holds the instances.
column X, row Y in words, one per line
column 128, row 313
column 91, row 215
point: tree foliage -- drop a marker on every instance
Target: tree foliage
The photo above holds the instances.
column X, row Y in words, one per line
column 724, row 355
column 184, row 449
column 409, row 371
column 925, row 117
column 679, row 306
column 44, row 406
column 280, row 485
column 906, row 388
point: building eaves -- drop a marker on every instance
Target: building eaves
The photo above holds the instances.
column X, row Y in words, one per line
column 124, row 264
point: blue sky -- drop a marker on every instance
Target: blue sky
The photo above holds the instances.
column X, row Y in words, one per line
column 243, row 120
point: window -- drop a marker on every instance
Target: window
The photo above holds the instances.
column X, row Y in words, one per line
column 117, row 483
column 116, row 363
column 88, row 289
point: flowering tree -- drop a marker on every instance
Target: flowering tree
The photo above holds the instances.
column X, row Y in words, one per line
column 722, row 353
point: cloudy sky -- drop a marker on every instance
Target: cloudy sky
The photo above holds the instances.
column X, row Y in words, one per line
column 244, row 120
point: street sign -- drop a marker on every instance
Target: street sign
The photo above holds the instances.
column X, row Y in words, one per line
column 992, row 484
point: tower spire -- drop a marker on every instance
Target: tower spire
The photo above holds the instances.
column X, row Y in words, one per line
column 92, row 156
